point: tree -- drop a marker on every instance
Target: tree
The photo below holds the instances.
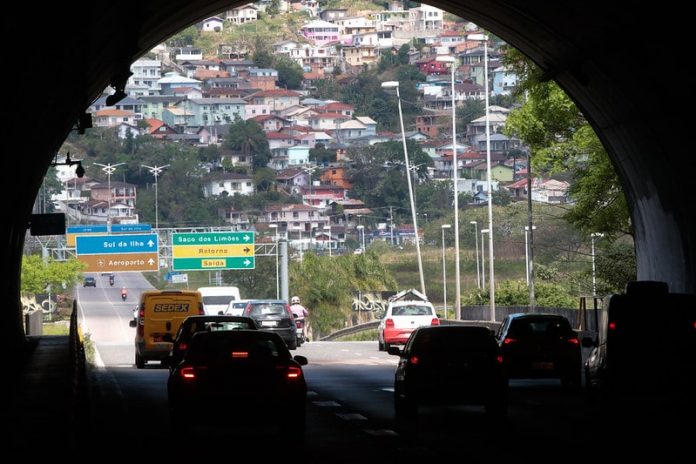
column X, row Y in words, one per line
column 262, row 58
column 319, row 154
column 290, row 74
column 264, row 178
column 467, row 112
column 259, row 282
column 249, row 138
column 37, row 273
column 561, row 140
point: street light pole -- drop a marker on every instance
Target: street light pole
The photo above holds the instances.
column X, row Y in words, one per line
column 361, row 228
column 526, row 251
column 328, row 227
column 455, row 181
column 275, row 226
column 444, row 268
column 109, row 169
column 594, row 280
column 395, row 85
column 483, row 258
column 156, row 171
column 478, row 274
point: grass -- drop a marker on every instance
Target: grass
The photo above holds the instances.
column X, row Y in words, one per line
column 56, row 328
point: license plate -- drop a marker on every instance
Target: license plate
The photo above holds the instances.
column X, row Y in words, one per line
column 543, row 366
column 269, row 323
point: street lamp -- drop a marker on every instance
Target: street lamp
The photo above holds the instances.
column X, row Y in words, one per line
column 526, row 251
column 483, row 259
column 594, row 280
column 444, row 269
column 484, row 38
column 328, row 227
column 155, row 171
column 275, row 226
column 455, row 181
column 299, row 231
column 395, row 85
column 478, row 274
column 361, row 228
column 109, row 169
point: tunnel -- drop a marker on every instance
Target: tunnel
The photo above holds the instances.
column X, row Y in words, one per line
column 604, row 55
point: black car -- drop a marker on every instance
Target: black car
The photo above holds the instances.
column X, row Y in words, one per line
column 540, row 346
column 250, row 365
column 89, row 282
column 194, row 324
column 274, row 316
column 451, row 364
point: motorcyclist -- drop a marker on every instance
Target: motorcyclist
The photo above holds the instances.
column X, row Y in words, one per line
column 124, row 293
column 111, row 280
column 300, row 313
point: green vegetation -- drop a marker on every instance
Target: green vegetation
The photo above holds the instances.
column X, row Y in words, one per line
column 364, row 336
column 56, row 328
column 38, row 273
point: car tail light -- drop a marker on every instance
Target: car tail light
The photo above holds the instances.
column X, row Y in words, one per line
column 247, row 309
column 574, row 341
column 182, row 346
column 141, row 321
column 499, row 359
column 413, row 360
column 240, row 354
column 435, row 321
column 201, row 311
column 612, row 325
column 694, row 324
column 389, row 323
column 509, row 340
column 188, row 373
column 293, row 373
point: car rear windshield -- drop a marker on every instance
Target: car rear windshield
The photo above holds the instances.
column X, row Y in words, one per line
column 412, row 310
column 223, row 347
column 550, row 327
column 217, row 299
column 453, row 342
column 268, row 309
column 210, row 326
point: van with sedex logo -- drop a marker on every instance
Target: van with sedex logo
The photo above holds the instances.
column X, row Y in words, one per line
column 160, row 314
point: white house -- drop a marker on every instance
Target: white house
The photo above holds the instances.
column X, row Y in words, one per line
column 242, row 14
column 214, row 24
column 228, row 183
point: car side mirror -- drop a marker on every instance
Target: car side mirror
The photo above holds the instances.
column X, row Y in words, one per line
column 220, row 313
column 133, row 323
column 301, row 360
column 395, row 350
column 167, row 338
column 588, row 342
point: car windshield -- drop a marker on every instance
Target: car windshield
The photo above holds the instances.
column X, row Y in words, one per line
column 412, row 310
column 217, row 299
column 444, row 343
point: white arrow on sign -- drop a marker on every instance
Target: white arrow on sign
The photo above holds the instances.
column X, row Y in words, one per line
column 150, row 243
column 150, row 261
column 247, row 262
column 246, row 238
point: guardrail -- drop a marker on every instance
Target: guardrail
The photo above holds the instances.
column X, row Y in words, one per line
column 373, row 325
column 78, row 373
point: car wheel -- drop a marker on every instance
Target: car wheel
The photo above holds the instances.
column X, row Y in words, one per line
column 293, row 344
column 386, row 346
column 380, row 344
column 139, row 361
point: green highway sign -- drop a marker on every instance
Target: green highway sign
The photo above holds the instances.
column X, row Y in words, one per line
column 214, row 238
column 211, row 251
column 212, row 264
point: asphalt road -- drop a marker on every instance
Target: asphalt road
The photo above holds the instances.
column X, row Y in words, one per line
column 350, row 410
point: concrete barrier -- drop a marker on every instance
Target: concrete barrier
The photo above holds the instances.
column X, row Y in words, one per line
column 33, row 323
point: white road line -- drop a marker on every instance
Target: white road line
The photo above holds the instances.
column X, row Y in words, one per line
column 387, row 389
column 381, row 432
column 353, row 416
column 327, row 404
column 98, row 362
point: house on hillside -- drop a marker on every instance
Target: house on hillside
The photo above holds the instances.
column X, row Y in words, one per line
column 242, row 14
column 213, row 24
column 227, row 183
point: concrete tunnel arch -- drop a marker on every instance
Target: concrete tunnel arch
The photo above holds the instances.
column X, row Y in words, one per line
column 596, row 51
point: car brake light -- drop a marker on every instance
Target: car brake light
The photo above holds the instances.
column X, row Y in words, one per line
column 574, row 341
column 694, row 324
column 612, row 325
column 247, row 309
column 435, row 321
column 240, row 354
column 499, row 359
column 188, row 373
column 413, row 360
column 294, row 372
column 389, row 323
column 201, row 310
column 182, row 347
column 509, row 340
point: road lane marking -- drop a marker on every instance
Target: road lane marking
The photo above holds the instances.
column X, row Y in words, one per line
column 387, row 389
column 352, row 416
column 381, row 432
column 327, row 404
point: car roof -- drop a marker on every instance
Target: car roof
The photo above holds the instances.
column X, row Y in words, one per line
column 218, row 318
column 472, row 329
column 536, row 316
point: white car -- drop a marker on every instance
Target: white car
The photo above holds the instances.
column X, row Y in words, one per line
column 236, row 307
column 403, row 316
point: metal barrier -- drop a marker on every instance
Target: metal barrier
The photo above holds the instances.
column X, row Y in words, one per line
column 78, row 373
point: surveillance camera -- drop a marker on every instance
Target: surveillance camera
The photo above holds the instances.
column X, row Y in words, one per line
column 79, row 171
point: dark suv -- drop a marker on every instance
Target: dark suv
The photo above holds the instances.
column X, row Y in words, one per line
column 89, row 282
column 540, row 346
column 452, row 364
column 274, row 316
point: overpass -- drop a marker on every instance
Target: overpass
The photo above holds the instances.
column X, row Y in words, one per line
column 596, row 50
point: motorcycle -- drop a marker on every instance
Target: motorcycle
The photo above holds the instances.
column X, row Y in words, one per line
column 111, row 280
column 299, row 331
column 124, row 296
